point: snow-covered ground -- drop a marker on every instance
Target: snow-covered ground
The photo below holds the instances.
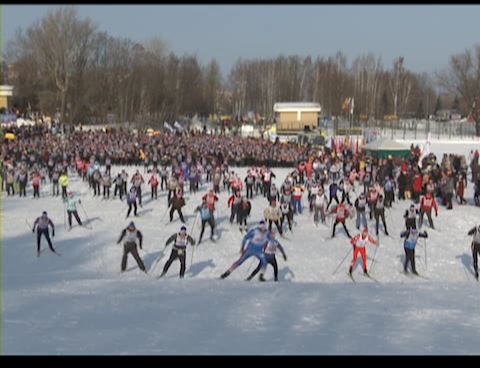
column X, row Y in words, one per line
column 78, row 303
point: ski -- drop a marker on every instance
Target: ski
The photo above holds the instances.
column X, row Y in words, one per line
column 351, row 277
column 407, row 274
column 371, row 278
column 412, row 275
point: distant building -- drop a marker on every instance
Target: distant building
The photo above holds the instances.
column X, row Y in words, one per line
column 296, row 116
column 5, row 93
column 447, row 115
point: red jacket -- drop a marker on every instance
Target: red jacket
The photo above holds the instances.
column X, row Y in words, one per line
column 211, row 199
column 417, row 183
column 153, row 180
column 427, row 202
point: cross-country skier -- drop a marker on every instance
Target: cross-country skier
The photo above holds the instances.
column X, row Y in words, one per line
column 132, row 202
column 411, row 237
column 72, row 208
column 131, row 234
column 475, row 247
column 410, row 216
column 42, row 222
column 359, row 242
column 179, row 250
column 206, row 216
column 269, row 251
column 252, row 245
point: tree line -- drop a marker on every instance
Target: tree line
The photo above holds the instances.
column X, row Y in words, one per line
column 63, row 63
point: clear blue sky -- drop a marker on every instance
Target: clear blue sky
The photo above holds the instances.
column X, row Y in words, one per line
column 426, row 35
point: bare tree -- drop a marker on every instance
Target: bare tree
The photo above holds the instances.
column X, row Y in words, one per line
column 462, row 78
column 395, row 81
column 212, row 87
column 366, row 73
column 60, row 42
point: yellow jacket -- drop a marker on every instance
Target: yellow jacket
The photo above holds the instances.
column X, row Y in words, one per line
column 63, row 180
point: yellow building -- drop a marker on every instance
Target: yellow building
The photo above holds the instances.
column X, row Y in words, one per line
column 296, row 116
column 5, row 93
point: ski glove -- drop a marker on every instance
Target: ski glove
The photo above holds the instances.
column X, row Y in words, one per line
column 284, row 257
column 33, row 230
column 425, row 233
column 53, row 233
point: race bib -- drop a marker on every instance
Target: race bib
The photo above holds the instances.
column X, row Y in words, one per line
column 180, row 252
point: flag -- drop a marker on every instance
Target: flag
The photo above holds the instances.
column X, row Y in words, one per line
column 178, row 126
column 425, row 151
column 352, row 104
column 345, row 104
column 168, row 126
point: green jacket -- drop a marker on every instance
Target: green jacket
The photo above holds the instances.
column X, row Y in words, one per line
column 72, row 203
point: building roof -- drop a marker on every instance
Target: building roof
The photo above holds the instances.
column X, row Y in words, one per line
column 6, row 91
column 297, row 106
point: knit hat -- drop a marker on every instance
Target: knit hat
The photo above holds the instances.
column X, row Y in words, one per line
column 131, row 224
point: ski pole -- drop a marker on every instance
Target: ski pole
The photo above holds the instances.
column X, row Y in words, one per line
column 156, row 262
column 165, row 213
column 193, row 226
column 343, row 260
column 30, row 226
column 374, row 254
column 86, row 216
column 425, row 246
column 251, row 263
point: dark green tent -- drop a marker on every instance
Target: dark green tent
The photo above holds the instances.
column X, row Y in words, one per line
column 383, row 147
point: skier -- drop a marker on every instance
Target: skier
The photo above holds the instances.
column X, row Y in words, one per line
column 132, row 201
column 72, row 208
column 360, row 207
column 252, row 245
column 341, row 212
column 410, row 216
column 359, row 242
column 176, row 203
column 426, row 204
column 179, row 249
column 206, row 216
column 318, row 201
column 272, row 213
column 137, row 181
column 286, row 213
column 131, row 234
column 243, row 211
column 43, row 222
column 411, row 237
column 475, row 247
column 379, row 208
column 269, row 251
